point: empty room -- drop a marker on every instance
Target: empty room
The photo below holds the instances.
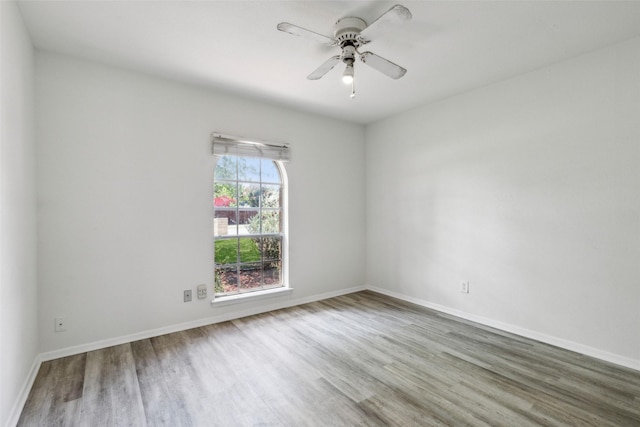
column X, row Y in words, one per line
column 319, row 213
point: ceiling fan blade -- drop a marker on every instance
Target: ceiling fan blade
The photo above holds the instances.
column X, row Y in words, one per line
column 299, row 31
column 324, row 68
column 383, row 65
column 396, row 15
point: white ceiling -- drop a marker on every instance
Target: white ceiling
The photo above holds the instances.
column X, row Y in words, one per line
column 448, row 47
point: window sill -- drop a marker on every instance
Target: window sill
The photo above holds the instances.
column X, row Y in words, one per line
column 251, row 296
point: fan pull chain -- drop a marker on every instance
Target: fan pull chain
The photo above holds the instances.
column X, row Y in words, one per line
column 353, row 89
column 353, row 83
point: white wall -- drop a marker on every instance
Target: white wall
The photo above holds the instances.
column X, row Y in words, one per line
column 125, row 191
column 529, row 189
column 18, row 283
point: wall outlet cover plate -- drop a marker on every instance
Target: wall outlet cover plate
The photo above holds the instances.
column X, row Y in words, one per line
column 464, row 287
column 202, row 291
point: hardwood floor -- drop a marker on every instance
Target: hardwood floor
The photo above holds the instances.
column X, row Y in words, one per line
column 357, row 360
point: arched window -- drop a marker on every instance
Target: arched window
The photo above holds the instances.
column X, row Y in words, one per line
column 249, row 224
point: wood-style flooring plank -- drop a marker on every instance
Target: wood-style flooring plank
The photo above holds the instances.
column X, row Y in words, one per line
column 56, row 395
column 162, row 406
column 111, row 393
column 362, row 359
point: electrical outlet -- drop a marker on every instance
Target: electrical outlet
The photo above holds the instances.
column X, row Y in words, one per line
column 202, row 291
column 60, row 324
column 187, row 295
column 464, row 287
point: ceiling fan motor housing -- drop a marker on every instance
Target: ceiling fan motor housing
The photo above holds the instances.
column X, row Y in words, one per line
column 348, row 32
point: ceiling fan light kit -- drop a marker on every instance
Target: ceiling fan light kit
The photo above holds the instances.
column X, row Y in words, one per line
column 347, row 76
column 350, row 34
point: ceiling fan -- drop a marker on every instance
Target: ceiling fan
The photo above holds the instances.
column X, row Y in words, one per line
column 351, row 33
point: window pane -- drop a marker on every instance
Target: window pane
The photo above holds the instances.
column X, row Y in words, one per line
column 270, row 171
column 270, row 196
column 226, row 280
column 272, row 248
column 232, row 221
column 250, row 276
column 249, row 222
column 225, row 223
column 249, row 251
column 270, row 221
column 248, row 169
column 226, row 168
column 248, row 195
column 226, row 251
column 225, row 195
column 271, row 272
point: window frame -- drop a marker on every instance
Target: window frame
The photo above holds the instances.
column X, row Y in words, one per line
column 262, row 292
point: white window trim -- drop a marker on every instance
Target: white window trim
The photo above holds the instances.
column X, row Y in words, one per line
column 221, row 301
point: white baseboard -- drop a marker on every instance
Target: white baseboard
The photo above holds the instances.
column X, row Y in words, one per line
column 21, row 399
column 275, row 305
column 527, row 333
